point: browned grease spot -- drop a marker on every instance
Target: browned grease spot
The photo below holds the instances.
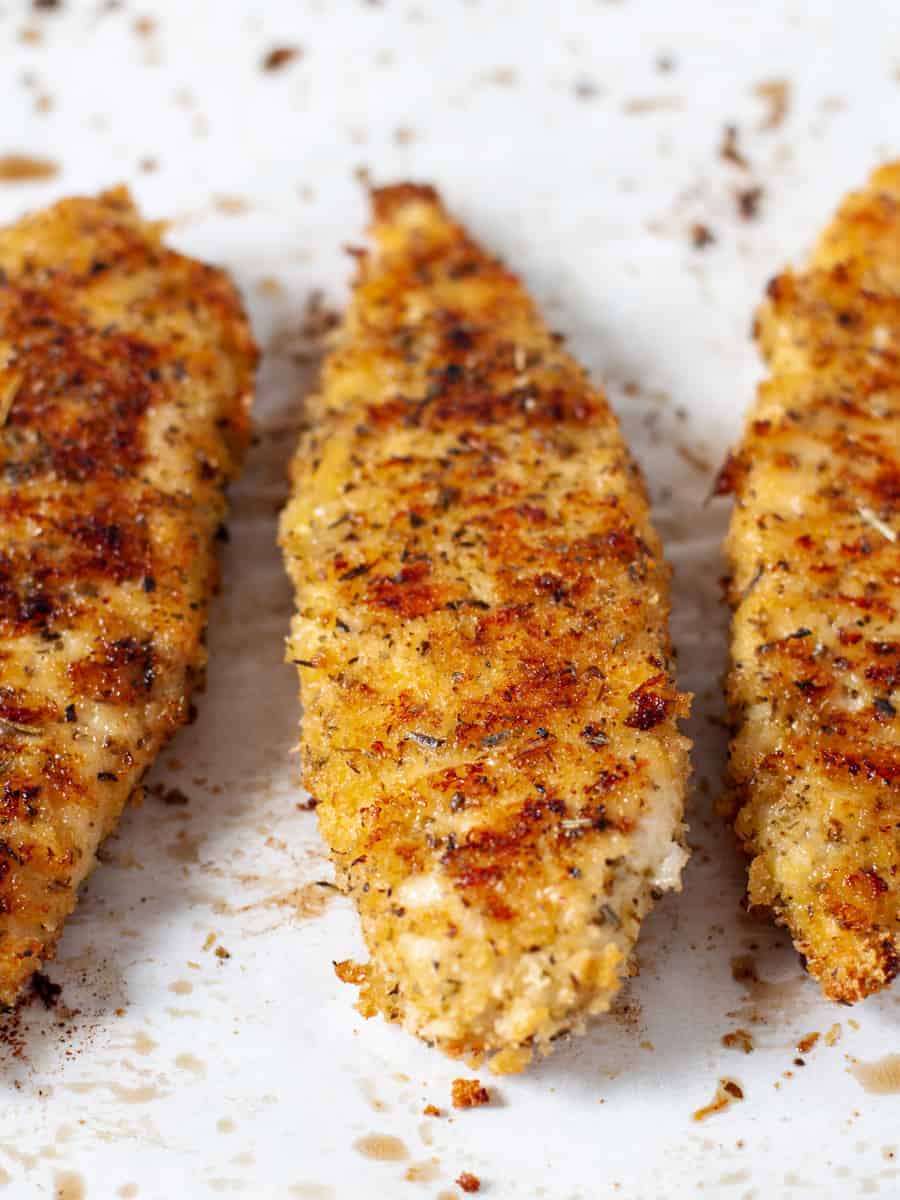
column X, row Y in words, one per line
column 382, row 1147
column 67, row 1185
column 765, row 999
column 727, row 1091
column 231, row 206
column 186, row 849
column 135, row 1095
column 650, row 104
column 880, row 1078
column 144, row 1043
column 367, row 1087
column 308, row 900
column 738, row 1039
column 190, row 1062
column 24, row 168
column 423, row 1172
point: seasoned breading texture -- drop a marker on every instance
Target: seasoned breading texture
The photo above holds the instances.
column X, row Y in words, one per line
column 490, row 713
column 125, row 382
column 814, row 544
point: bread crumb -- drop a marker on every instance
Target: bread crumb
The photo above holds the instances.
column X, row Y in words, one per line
column 468, row 1182
column 468, row 1093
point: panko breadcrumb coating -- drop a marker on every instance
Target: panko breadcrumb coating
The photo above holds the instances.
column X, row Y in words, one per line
column 481, row 634
column 125, row 382
column 814, row 545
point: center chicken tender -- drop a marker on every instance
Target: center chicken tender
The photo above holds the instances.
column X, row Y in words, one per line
column 490, row 713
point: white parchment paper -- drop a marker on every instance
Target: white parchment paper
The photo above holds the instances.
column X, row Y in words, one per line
column 202, row 1043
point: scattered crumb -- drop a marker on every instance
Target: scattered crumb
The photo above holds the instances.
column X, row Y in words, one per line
column 147, row 165
column 172, row 796
column 404, row 136
column 46, row 5
column 739, row 1039
column 665, row 64
column 221, row 952
column 586, row 89
column 727, row 1092
column 30, row 36
column 776, row 94
column 833, row 1036
column 806, row 1043
column 748, row 201
column 431, row 1110
column 280, row 56
column 743, row 969
column 501, row 76
column 468, row 1093
column 145, row 27
column 362, row 175
column 729, row 150
column 24, row 168
column 349, row 971
column 210, row 941
column 44, row 988
column 701, row 236
column 468, row 1182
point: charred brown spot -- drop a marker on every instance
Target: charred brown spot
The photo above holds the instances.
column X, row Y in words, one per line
column 118, row 672
column 408, row 593
column 651, row 706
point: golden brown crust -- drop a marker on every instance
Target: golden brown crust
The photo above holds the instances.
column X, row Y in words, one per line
column 126, row 372
column 815, row 546
column 489, row 710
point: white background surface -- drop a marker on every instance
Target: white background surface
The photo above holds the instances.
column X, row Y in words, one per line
column 169, row 1072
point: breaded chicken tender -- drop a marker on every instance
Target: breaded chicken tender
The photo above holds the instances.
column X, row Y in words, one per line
column 814, row 545
column 125, row 381
column 481, row 635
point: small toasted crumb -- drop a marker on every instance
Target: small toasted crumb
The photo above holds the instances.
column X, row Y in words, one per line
column 210, row 941
column 739, row 1039
column 468, row 1182
column 776, row 93
column 701, row 236
column 585, row 89
column 726, row 1093
column 748, row 200
column 349, row 971
column 833, row 1036
column 280, row 56
column 431, row 1110
column 30, row 36
column 468, row 1093
column 403, row 135
column 145, row 27
column 24, row 168
column 147, row 165
column 729, row 150
column 806, row 1043
column 221, row 952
